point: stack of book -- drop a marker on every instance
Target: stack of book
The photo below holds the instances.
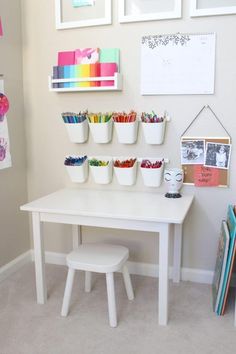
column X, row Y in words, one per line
column 226, row 256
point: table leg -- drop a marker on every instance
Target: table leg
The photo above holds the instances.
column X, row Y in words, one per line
column 163, row 273
column 39, row 259
column 177, row 253
column 76, row 241
column 76, row 236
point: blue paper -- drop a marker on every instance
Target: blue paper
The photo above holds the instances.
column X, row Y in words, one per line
column 82, row 3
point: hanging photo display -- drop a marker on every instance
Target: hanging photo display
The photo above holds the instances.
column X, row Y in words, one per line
column 206, row 161
column 5, row 156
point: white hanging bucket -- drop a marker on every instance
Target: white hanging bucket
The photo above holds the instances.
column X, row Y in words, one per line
column 101, row 132
column 152, row 177
column 78, row 174
column 77, row 132
column 126, row 176
column 127, row 132
column 102, row 174
column 154, row 133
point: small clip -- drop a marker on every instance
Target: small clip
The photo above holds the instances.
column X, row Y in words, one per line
column 167, row 117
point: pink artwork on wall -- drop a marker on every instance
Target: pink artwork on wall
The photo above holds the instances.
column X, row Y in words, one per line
column 3, row 149
column 86, row 56
column 5, row 156
column 1, row 32
column 4, row 106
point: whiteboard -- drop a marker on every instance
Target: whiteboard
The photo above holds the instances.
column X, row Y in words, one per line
column 178, row 64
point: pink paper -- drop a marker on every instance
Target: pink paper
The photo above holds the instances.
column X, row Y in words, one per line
column 86, row 56
column 66, row 58
column 108, row 69
column 206, row 176
column 1, row 32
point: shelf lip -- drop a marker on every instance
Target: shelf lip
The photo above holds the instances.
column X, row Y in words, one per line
column 84, row 79
column 92, row 88
column 117, row 78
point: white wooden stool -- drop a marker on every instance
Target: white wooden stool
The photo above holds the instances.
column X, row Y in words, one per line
column 99, row 258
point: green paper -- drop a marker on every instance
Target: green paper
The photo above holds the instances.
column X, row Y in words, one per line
column 110, row 55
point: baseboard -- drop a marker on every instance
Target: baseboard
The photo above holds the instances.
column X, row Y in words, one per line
column 187, row 274
column 146, row 269
column 15, row 264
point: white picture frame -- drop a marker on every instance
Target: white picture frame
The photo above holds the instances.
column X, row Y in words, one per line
column 210, row 11
column 105, row 20
column 152, row 16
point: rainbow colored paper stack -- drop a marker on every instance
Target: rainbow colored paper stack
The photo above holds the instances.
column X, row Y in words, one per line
column 86, row 63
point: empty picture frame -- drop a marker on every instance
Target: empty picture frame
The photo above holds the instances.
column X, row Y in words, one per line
column 212, row 7
column 139, row 10
column 68, row 16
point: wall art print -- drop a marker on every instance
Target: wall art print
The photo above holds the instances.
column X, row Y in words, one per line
column 5, row 156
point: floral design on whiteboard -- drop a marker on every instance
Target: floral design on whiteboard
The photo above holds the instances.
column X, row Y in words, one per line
column 158, row 40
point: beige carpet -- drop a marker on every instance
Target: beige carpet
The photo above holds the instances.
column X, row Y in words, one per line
column 28, row 328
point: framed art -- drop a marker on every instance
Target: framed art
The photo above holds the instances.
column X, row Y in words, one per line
column 70, row 16
column 212, row 7
column 139, row 10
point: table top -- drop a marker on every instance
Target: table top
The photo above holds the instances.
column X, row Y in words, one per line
column 124, row 205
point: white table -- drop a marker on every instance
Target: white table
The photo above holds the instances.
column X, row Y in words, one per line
column 118, row 210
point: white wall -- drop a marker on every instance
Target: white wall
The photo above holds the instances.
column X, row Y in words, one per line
column 14, row 233
column 48, row 143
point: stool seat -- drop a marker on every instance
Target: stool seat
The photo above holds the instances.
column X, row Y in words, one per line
column 99, row 258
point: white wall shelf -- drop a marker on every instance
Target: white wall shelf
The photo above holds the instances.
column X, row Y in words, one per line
column 117, row 78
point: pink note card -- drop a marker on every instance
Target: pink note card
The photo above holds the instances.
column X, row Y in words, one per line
column 1, row 32
column 206, row 176
column 66, row 58
column 108, row 69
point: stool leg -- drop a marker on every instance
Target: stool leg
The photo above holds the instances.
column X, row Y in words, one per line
column 67, row 294
column 111, row 299
column 88, row 276
column 128, row 284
